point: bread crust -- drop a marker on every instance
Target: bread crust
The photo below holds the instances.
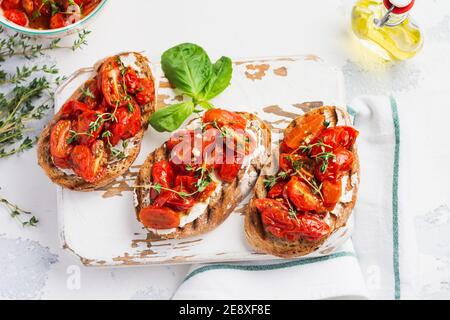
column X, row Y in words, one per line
column 72, row 181
column 263, row 242
column 221, row 205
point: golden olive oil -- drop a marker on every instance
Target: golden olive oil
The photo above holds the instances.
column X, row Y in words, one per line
column 396, row 38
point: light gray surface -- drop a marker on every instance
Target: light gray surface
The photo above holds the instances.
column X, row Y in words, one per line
column 31, row 263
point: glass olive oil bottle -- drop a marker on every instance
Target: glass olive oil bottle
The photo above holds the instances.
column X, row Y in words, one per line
column 385, row 26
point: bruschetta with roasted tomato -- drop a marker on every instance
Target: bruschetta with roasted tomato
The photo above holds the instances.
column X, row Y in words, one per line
column 96, row 135
column 313, row 191
column 192, row 183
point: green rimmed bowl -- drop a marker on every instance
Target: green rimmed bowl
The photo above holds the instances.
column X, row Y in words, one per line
column 53, row 33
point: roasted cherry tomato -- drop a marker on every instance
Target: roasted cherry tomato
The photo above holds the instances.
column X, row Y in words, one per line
column 59, row 136
column 266, row 204
column 28, row 6
column 159, row 200
column 111, row 81
column 62, row 163
column 180, row 202
column 289, row 161
column 186, row 137
column 280, row 223
column 72, row 109
column 304, row 130
column 10, row 4
column 89, row 163
column 277, row 190
column 238, row 140
column 90, row 95
column 214, row 150
column 128, row 123
column 335, row 137
column 336, row 167
column 145, row 92
column 186, row 154
column 284, row 148
column 82, row 127
column 131, row 80
column 224, row 117
column 159, row 218
column 331, row 192
column 88, row 5
column 187, row 182
column 300, row 194
column 205, row 194
column 176, row 201
column 17, row 16
column 229, row 171
column 43, row 7
column 162, row 174
column 57, row 21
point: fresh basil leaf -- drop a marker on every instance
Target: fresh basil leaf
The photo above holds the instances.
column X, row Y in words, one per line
column 220, row 79
column 187, row 66
column 172, row 117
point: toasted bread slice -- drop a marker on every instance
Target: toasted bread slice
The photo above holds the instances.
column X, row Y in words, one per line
column 70, row 180
column 220, row 204
column 263, row 241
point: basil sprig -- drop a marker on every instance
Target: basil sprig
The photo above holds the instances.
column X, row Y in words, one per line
column 188, row 68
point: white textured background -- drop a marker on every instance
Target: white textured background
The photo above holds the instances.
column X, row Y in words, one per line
column 31, row 263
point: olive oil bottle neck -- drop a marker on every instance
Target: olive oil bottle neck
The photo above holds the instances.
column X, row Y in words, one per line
column 391, row 19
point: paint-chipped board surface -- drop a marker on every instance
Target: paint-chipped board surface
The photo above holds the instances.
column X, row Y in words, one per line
column 101, row 227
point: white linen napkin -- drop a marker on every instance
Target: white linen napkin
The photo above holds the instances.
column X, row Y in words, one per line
column 383, row 265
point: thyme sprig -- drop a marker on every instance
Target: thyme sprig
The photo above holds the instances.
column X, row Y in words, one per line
column 270, row 181
column 27, row 93
column 27, row 47
column 18, row 214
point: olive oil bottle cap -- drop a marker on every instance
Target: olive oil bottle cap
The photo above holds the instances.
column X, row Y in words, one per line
column 399, row 6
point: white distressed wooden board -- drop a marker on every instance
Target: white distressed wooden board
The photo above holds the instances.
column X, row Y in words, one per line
column 101, row 227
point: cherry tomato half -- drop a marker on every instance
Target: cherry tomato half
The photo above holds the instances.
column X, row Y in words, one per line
column 277, row 190
column 289, row 161
column 10, row 4
column 336, row 167
column 162, row 173
column 128, row 123
column 89, row 163
column 178, row 202
column 335, row 137
column 111, row 83
column 306, row 129
column 277, row 220
column 205, row 194
column 57, row 21
column 59, row 135
column 72, row 109
column 159, row 218
column 145, row 92
column 229, row 171
column 17, row 16
column 83, row 127
column 28, row 6
column 331, row 192
column 91, row 95
column 131, row 80
column 300, row 194
column 224, row 117
column 175, row 200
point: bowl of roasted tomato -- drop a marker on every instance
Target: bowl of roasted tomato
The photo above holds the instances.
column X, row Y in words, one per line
column 48, row 18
